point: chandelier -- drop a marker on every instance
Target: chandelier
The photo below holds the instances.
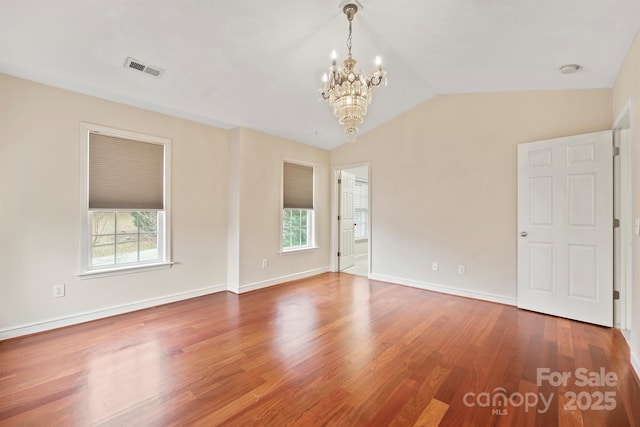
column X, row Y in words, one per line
column 347, row 89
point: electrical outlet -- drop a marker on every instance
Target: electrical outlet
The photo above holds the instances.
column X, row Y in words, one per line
column 265, row 263
column 462, row 270
column 435, row 266
column 58, row 291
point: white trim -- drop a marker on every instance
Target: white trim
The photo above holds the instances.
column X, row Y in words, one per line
column 94, row 274
column 297, row 250
column 74, row 319
column 279, row 280
column 625, row 121
column 635, row 363
column 445, row 289
column 619, row 123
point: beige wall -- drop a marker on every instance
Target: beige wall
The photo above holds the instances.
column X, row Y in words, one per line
column 627, row 88
column 259, row 159
column 40, row 184
column 225, row 209
column 443, row 182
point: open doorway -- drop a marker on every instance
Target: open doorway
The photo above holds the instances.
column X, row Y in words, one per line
column 353, row 231
column 623, row 233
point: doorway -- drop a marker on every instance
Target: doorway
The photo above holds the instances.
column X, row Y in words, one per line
column 621, row 269
column 623, row 245
column 352, row 220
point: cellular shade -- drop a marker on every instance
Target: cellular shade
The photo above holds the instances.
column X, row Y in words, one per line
column 125, row 174
column 298, row 186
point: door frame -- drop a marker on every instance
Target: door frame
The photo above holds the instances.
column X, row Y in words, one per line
column 335, row 226
column 624, row 121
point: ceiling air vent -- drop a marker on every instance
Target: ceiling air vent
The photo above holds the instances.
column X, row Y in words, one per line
column 140, row 66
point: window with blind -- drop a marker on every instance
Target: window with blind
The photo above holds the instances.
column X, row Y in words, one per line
column 126, row 200
column 361, row 209
column 297, row 207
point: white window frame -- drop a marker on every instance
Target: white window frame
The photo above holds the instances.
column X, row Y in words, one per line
column 164, row 229
column 310, row 231
column 311, row 219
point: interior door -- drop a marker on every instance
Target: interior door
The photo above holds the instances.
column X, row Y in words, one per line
column 346, row 257
column 565, row 227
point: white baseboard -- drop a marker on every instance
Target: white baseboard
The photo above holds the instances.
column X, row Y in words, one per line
column 445, row 289
column 279, row 280
column 74, row 319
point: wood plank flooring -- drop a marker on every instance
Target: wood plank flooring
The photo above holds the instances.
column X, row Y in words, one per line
column 334, row 350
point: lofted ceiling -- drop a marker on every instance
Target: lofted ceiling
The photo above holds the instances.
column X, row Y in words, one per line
column 258, row 64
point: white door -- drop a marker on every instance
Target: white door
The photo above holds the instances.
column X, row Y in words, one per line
column 346, row 257
column 565, row 227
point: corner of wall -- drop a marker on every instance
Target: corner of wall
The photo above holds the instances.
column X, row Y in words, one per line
column 233, row 219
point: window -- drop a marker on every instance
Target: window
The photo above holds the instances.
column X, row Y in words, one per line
column 297, row 207
column 124, row 237
column 361, row 207
column 125, row 208
column 296, row 228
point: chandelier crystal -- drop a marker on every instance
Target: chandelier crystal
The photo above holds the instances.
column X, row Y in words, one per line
column 347, row 89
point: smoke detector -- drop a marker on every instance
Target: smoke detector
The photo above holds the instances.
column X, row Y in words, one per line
column 134, row 64
column 570, row 68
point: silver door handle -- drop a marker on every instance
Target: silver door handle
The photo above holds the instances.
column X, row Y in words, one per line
column 523, row 234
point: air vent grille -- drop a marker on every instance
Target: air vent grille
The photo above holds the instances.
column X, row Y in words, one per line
column 152, row 71
column 136, row 65
column 140, row 66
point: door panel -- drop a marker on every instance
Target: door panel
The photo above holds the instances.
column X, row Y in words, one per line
column 541, row 203
column 565, row 216
column 541, row 267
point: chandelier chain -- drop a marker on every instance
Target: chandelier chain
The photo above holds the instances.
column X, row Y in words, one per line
column 349, row 39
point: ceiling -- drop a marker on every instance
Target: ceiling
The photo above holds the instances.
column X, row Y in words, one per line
column 258, row 64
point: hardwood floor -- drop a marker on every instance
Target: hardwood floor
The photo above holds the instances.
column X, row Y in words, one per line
column 335, row 349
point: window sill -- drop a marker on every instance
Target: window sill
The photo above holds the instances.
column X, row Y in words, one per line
column 94, row 274
column 361, row 239
column 297, row 250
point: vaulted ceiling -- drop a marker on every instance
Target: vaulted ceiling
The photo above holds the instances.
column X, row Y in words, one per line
column 258, row 63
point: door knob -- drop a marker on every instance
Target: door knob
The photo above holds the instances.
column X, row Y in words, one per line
column 523, row 234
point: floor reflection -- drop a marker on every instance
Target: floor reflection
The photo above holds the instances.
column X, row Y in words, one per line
column 124, row 379
column 294, row 322
column 360, row 337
